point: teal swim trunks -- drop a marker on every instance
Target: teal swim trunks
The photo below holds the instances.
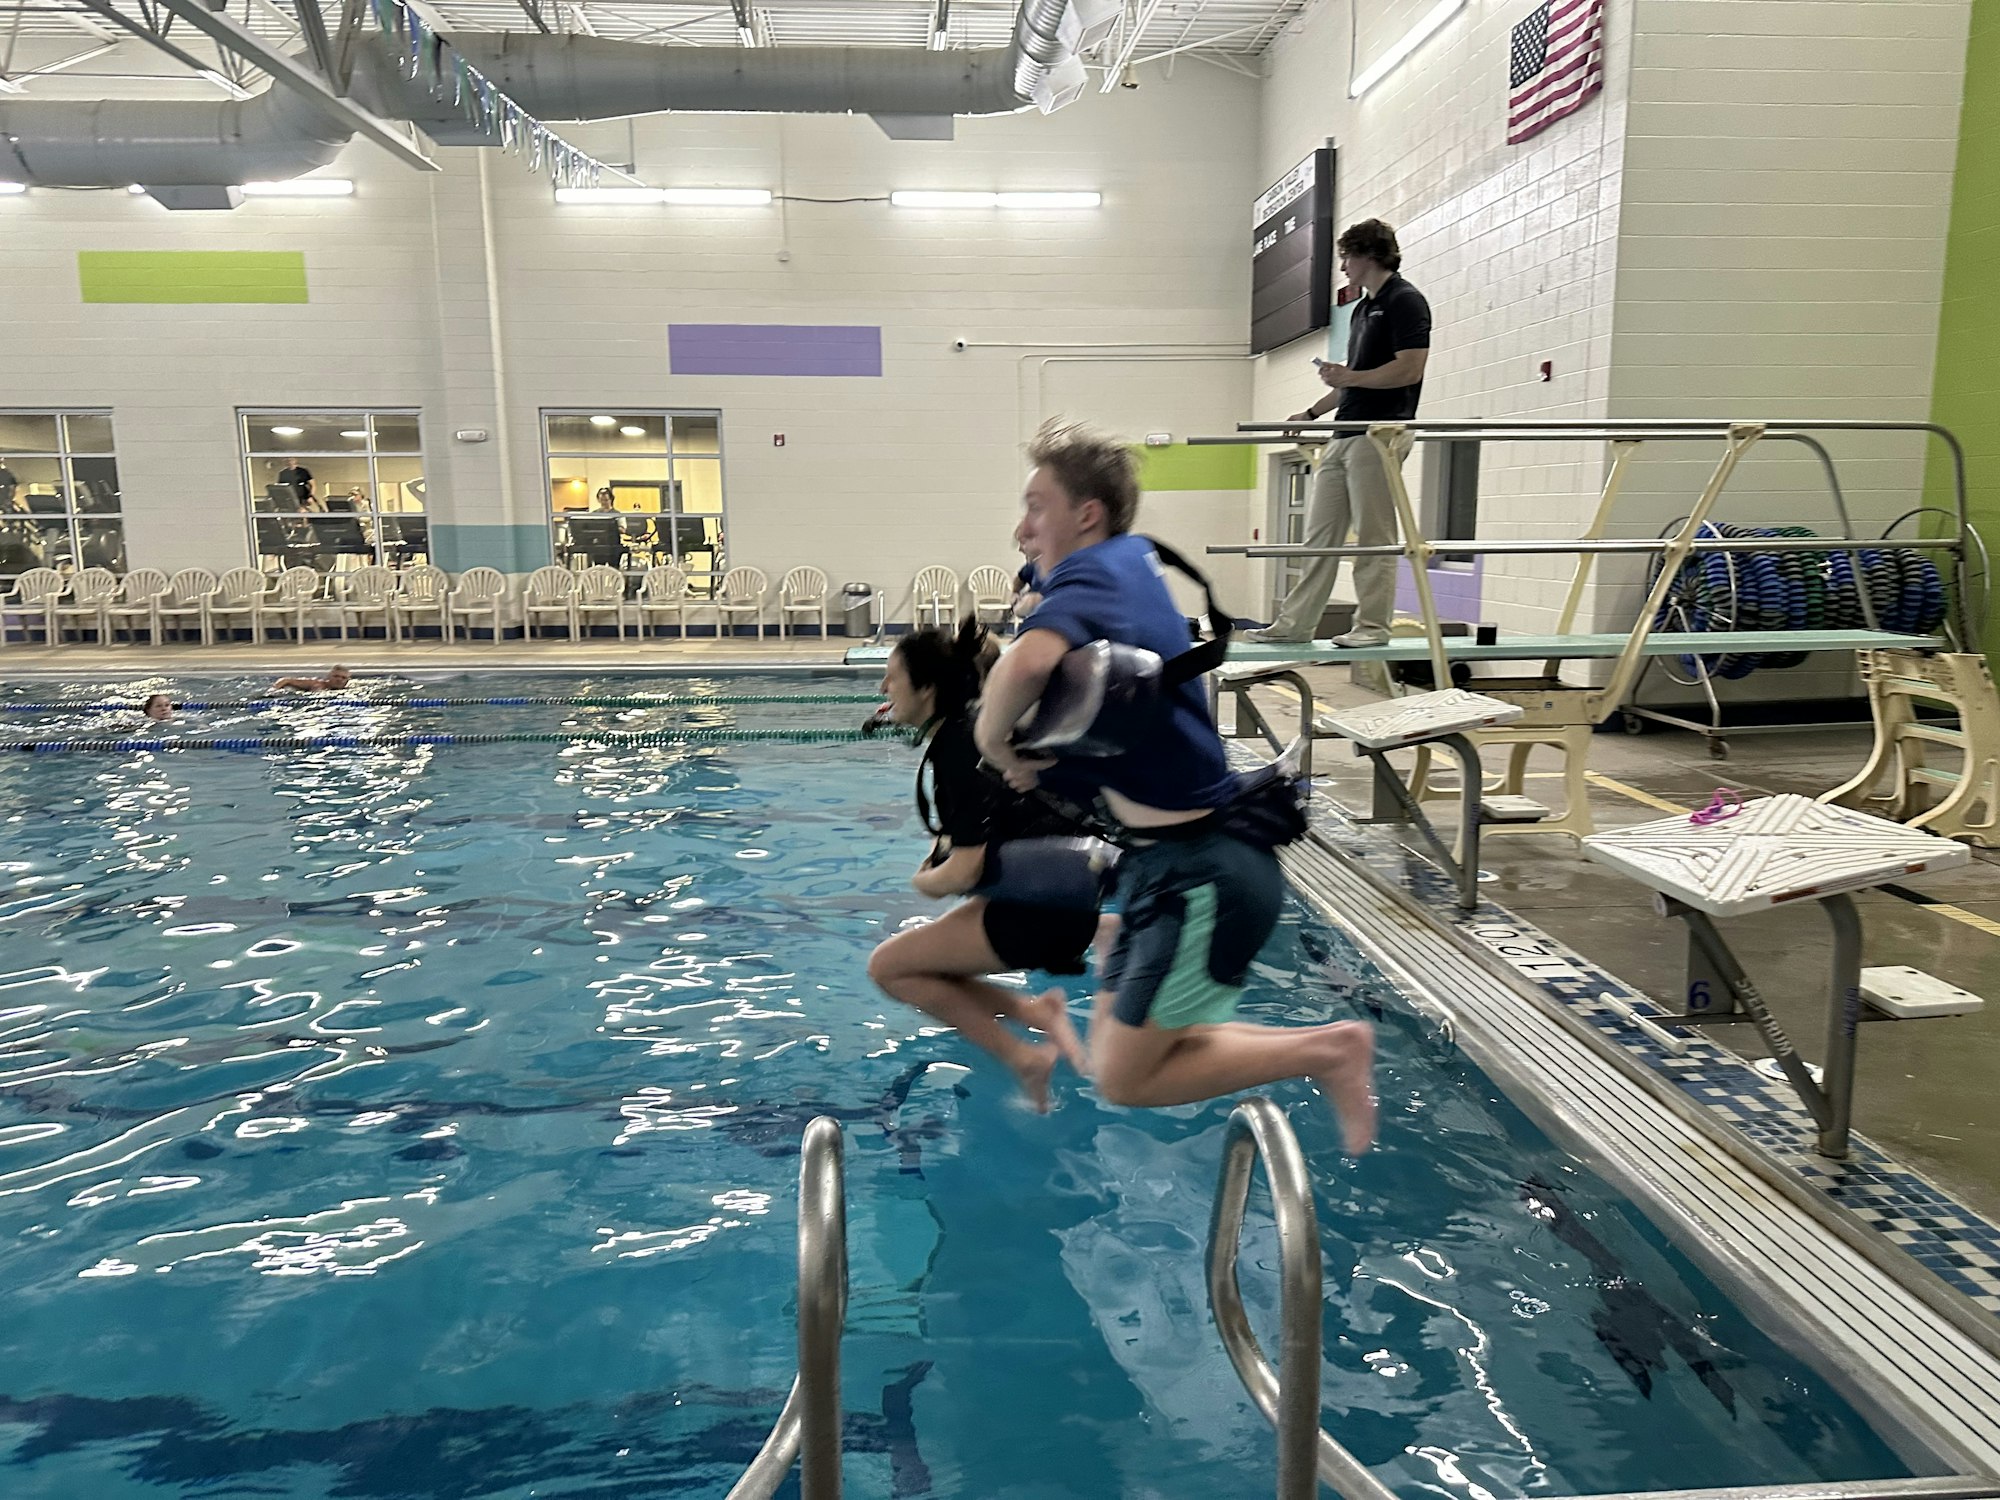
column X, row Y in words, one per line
column 1196, row 909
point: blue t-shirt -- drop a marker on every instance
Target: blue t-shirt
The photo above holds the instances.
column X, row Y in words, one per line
column 1117, row 591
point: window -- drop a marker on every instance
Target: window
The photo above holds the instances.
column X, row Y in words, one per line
column 1451, row 489
column 335, row 490
column 59, row 501
column 637, row 489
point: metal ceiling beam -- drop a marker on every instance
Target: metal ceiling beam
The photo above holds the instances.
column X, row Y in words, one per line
column 313, row 25
column 286, row 70
column 532, row 9
column 179, row 54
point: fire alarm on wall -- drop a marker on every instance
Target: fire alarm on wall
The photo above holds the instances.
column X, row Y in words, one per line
column 777, row 440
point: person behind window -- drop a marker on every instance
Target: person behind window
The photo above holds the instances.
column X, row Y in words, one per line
column 300, row 478
column 9, row 485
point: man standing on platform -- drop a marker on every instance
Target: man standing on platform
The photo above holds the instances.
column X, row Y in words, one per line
column 1388, row 344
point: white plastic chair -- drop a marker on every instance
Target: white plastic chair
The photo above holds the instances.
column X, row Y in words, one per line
column 366, row 591
column 420, row 594
column 89, row 592
column 803, row 592
column 600, row 590
column 240, row 592
column 38, row 589
column 185, row 601
column 480, row 591
column 935, row 593
column 137, row 602
column 295, row 592
column 664, row 590
column 548, row 593
column 742, row 593
column 992, row 591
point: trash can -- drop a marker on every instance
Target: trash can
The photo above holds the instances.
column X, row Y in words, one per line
column 857, row 609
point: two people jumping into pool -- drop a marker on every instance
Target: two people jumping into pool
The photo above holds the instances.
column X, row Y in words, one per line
column 932, row 685
column 1199, row 886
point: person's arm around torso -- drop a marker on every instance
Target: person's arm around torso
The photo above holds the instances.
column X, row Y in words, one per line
column 1014, row 686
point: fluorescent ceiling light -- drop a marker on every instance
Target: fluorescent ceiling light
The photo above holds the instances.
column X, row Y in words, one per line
column 1050, row 200
column 1414, row 38
column 286, row 431
column 13, row 187
column 603, row 421
column 927, row 199
column 301, row 187
column 610, row 195
column 136, row 190
column 689, row 197
column 359, row 432
column 633, row 431
column 749, row 197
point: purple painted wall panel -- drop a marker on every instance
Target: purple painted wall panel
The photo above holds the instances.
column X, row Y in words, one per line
column 1456, row 591
column 773, row 349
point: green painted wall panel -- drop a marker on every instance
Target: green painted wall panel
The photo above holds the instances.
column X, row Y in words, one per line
column 181, row 276
column 511, row 549
column 1180, row 467
column 1966, row 393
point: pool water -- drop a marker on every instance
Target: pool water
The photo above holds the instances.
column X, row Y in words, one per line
column 424, row 1123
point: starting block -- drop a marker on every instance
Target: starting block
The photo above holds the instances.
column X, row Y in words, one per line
column 1773, row 852
column 1443, row 718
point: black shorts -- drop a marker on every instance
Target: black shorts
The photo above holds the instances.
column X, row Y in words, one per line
column 1052, row 939
column 1196, row 910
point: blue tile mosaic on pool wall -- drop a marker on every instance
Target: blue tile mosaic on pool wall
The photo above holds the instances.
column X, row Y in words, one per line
column 1961, row 1247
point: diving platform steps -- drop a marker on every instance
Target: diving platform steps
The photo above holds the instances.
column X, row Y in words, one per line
column 1541, row 647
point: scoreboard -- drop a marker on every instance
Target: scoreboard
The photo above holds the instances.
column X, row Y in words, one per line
column 1291, row 255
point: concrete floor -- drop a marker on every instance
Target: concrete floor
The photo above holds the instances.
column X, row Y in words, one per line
column 1926, row 1090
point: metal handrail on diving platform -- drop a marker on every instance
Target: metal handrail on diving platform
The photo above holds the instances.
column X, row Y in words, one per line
column 1289, row 1396
column 808, row 1429
column 1625, row 437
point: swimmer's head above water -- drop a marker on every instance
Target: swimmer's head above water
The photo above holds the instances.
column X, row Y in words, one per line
column 934, row 674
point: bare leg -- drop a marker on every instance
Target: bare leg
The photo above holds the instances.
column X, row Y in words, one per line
column 1148, row 1067
column 1048, row 1013
column 935, row 967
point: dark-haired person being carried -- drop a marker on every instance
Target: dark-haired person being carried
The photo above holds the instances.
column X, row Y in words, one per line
column 1199, row 891
column 931, row 683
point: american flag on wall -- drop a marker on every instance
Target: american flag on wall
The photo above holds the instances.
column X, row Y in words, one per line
column 1557, row 64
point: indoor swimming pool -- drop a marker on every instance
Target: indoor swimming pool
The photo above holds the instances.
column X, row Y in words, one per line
column 422, row 1121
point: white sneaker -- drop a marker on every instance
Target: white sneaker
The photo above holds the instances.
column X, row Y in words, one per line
column 1362, row 637
column 1269, row 636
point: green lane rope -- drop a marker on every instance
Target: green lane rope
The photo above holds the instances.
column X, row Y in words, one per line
column 664, row 700
column 262, row 742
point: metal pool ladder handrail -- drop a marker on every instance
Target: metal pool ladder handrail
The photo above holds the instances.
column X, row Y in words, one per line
column 808, row 1429
column 1289, row 1396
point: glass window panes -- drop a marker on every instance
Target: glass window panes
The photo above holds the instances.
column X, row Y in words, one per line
column 634, row 490
column 59, row 497
column 335, row 490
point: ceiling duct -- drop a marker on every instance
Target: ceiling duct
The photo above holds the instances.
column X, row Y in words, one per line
column 277, row 134
column 281, row 133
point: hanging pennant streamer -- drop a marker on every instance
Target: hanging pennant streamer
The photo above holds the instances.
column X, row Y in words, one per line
column 423, row 54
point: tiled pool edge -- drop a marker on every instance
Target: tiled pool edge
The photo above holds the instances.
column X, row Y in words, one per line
column 1871, row 1189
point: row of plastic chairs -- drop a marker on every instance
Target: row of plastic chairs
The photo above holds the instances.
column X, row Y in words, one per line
column 194, row 599
column 557, row 595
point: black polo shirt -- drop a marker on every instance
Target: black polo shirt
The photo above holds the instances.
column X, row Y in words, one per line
column 1396, row 318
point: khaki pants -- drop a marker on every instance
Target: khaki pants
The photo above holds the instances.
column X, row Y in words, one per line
column 1350, row 492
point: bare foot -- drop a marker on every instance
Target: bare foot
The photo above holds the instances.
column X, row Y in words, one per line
column 1346, row 1077
column 1048, row 1013
column 1033, row 1068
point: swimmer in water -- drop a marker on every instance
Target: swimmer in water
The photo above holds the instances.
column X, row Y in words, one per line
column 333, row 682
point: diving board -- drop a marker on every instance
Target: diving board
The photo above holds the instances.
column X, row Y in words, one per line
column 1541, row 647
